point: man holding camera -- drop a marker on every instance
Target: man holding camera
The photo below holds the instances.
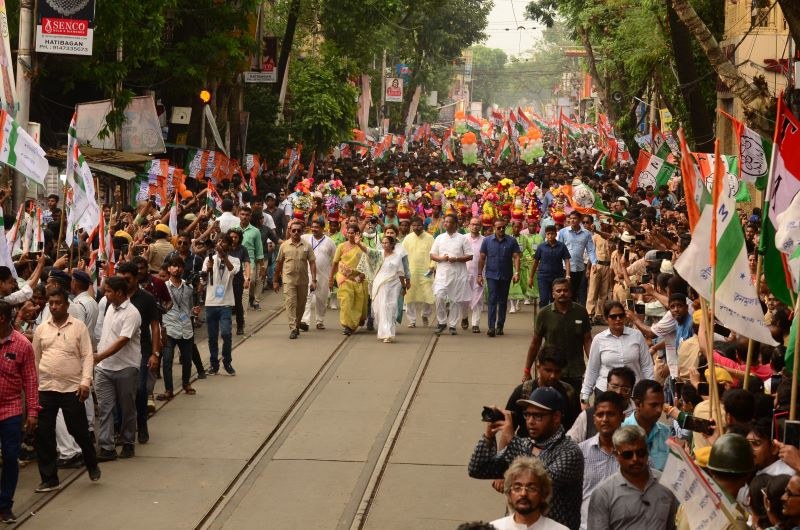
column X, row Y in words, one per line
column 220, row 269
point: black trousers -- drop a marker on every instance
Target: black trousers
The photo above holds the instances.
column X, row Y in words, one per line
column 238, row 308
column 75, row 418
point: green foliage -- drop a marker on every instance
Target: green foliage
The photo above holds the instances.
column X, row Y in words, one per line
column 322, row 107
column 264, row 135
column 487, row 69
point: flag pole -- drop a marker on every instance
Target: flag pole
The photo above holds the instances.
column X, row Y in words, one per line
column 795, row 368
column 61, row 222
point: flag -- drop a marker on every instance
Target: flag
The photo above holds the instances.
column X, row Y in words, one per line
column 5, row 251
column 253, row 168
column 497, row 120
column 513, row 130
column 447, row 146
column 585, row 200
column 718, row 241
column 782, row 187
column 83, row 210
column 694, row 188
column 660, row 146
column 173, row 215
column 651, row 171
column 19, row 150
column 213, row 199
column 503, row 148
column 17, row 233
column 523, row 122
column 755, row 152
column 787, row 238
column 473, row 124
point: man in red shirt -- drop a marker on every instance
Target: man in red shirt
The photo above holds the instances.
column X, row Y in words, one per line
column 17, row 374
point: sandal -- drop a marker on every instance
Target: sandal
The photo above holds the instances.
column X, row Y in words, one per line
column 320, row 326
column 166, row 396
column 189, row 391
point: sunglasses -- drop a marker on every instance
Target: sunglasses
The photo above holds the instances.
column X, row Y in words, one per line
column 294, row 230
column 616, row 315
column 627, row 455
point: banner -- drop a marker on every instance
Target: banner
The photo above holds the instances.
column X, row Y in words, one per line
column 394, row 90
column 21, row 152
column 65, row 27
column 8, row 94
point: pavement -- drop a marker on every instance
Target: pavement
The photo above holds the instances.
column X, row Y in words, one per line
column 321, row 432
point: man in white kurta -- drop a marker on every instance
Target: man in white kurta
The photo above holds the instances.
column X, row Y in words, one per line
column 451, row 251
column 472, row 308
column 419, row 298
column 324, row 249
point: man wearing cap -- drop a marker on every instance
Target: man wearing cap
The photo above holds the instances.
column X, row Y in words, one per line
column 600, row 280
column 551, row 259
column 547, row 441
column 160, row 248
column 272, row 211
column 632, row 497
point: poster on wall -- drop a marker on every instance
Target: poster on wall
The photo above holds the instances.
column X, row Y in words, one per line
column 394, row 89
column 65, row 27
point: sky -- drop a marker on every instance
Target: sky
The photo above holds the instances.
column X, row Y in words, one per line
column 510, row 14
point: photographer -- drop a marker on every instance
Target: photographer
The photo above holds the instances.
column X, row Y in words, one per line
column 220, row 268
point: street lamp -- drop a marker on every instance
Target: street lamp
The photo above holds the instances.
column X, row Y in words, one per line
column 205, row 97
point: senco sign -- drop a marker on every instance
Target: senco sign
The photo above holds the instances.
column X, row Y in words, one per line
column 65, row 27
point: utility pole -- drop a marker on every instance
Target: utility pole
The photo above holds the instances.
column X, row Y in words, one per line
column 380, row 112
column 24, row 69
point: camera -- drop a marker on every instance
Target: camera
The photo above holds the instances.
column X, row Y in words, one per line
column 491, row 415
column 637, row 290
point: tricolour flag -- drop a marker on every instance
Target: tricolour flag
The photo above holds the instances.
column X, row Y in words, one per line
column 20, row 151
column 83, row 210
column 755, row 152
column 503, row 148
column 718, row 241
column 497, row 120
column 651, row 171
column 252, row 165
column 783, row 186
column 213, row 199
column 473, row 124
column 660, row 146
column 585, row 200
column 694, row 187
column 447, row 146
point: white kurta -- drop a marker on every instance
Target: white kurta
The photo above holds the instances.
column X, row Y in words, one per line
column 324, row 249
column 452, row 280
column 472, row 269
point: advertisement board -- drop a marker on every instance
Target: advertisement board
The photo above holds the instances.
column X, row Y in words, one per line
column 65, row 27
column 394, row 89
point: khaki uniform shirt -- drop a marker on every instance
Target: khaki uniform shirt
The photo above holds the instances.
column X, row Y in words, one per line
column 296, row 257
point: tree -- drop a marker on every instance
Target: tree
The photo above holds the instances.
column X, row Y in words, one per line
column 487, row 70
column 322, row 106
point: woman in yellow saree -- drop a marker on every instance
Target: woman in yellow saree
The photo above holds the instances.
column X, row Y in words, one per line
column 352, row 293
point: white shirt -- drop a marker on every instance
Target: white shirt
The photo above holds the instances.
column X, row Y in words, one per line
column 475, row 243
column 324, row 250
column 544, row 523
column 85, row 308
column 609, row 351
column 665, row 328
column 121, row 321
column 17, row 297
column 222, row 277
column 451, row 279
column 578, row 430
column 227, row 221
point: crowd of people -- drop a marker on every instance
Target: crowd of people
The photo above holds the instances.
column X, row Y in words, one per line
column 414, row 239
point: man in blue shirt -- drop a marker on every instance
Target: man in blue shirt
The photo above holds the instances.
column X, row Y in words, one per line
column 648, row 396
column 500, row 254
column 578, row 241
column 551, row 259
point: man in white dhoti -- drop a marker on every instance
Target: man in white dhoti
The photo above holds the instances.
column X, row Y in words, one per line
column 471, row 309
column 451, row 251
column 419, row 298
column 324, row 249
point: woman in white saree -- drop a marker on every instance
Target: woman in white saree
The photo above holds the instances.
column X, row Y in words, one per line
column 388, row 285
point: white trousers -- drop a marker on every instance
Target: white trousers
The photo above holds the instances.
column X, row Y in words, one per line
column 318, row 300
column 442, row 316
column 474, row 314
column 417, row 309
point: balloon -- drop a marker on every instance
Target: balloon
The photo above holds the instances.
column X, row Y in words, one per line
column 468, row 138
column 460, row 115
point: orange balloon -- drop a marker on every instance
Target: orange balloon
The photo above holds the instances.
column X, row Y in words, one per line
column 460, row 115
column 534, row 133
column 469, row 138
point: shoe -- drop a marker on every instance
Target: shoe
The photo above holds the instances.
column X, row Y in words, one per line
column 73, row 462
column 256, row 307
column 476, row 329
column 425, row 321
column 214, row 370
column 143, row 437
column 347, row 331
column 151, row 404
column 94, row 474
column 440, row 329
column 229, row 369
column 453, row 331
column 464, row 323
column 320, row 326
column 127, row 451
column 412, row 325
column 201, row 375
column 490, row 332
column 240, row 331
column 512, row 309
column 294, row 334
column 387, row 341
column 303, row 326
column 7, row 516
column 527, row 301
column 44, row 487
column 370, row 325
column 500, row 331
column 106, row 455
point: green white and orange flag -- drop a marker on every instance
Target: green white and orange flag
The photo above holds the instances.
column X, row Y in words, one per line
column 755, row 153
column 651, row 171
column 718, row 242
column 473, row 124
column 213, row 199
column 83, row 210
column 660, row 146
column 783, row 186
column 19, row 150
column 503, row 148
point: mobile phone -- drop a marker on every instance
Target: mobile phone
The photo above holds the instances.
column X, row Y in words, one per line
column 703, row 426
column 636, row 289
column 664, row 254
column 639, row 309
column 646, row 278
column 679, row 388
column 791, row 432
column 719, row 329
column 490, row 415
column 630, row 304
column 627, row 255
column 702, row 388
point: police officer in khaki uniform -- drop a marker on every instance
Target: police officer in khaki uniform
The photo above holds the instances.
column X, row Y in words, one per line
column 295, row 260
